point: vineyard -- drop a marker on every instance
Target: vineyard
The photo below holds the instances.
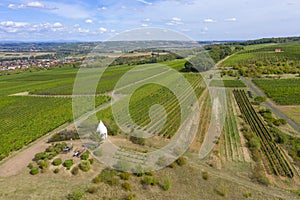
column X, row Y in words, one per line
column 152, row 94
column 24, row 119
column 276, row 158
column 282, row 91
column 232, row 148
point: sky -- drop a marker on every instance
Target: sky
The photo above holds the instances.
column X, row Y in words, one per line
column 99, row 20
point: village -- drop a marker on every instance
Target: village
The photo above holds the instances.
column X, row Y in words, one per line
column 27, row 63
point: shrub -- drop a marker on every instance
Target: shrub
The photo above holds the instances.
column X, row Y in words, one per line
column 50, row 149
column 57, row 162
column 172, row 165
column 125, row 176
column 76, row 195
column 75, row 171
column 84, row 165
column 205, row 175
column 129, row 197
column 30, row 165
column 85, row 155
column 97, row 179
column 91, row 190
column 56, row 171
column 59, row 147
column 167, row 184
column 247, row 194
column 91, row 160
column 181, row 161
column 149, row 180
column 68, row 163
column 222, row 191
column 34, row 171
column 43, row 164
column 126, row 186
column 149, row 173
column 136, row 140
column 108, row 176
column 40, row 156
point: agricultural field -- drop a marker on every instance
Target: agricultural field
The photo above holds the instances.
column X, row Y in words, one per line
column 282, row 91
column 277, row 161
column 232, row 147
column 227, row 83
column 260, row 60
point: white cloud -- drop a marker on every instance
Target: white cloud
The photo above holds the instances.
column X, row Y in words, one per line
column 81, row 30
column 209, row 20
column 102, row 30
column 12, row 27
column 89, row 21
column 57, row 25
column 33, row 4
column 233, row 19
column 176, row 19
column 146, row 20
column 145, row 2
column 144, row 25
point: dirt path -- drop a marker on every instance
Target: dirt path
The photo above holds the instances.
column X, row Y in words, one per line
column 13, row 164
column 270, row 104
column 18, row 160
column 272, row 191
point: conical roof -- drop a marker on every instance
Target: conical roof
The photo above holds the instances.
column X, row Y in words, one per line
column 101, row 128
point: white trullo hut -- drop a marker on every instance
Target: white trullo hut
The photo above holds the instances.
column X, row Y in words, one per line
column 102, row 129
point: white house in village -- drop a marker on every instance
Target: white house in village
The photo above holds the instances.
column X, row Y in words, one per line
column 102, row 129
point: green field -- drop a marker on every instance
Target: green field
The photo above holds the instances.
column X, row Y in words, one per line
column 26, row 118
column 227, row 83
column 282, row 91
column 262, row 59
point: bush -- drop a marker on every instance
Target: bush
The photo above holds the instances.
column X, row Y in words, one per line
column 91, row 190
column 85, row 155
column 126, row 186
column 205, row 175
column 149, row 180
column 76, row 195
column 129, row 197
column 108, row 176
column 260, row 99
column 56, row 171
column 40, row 156
column 34, row 171
column 30, row 165
column 222, row 191
column 149, row 173
column 68, row 163
column 172, row 165
column 97, row 179
column 136, row 140
column 57, row 162
column 181, row 161
column 84, row 165
column 247, row 194
column 91, row 160
column 43, row 164
column 125, row 176
column 167, row 184
column 75, row 171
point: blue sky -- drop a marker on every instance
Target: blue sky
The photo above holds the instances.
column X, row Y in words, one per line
column 90, row 20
